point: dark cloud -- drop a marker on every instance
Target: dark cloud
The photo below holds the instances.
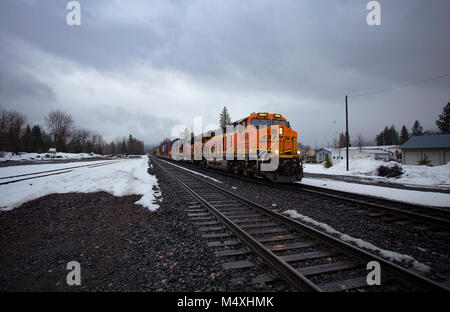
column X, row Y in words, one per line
column 178, row 59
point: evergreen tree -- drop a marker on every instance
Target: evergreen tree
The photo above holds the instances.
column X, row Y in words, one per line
column 327, row 163
column 425, row 161
column 130, row 145
column 224, row 118
column 404, row 135
column 443, row 122
column 393, row 136
column 380, row 139
column 37, row 140
column 386, row 136
column 416, row 129
column 123, row 148
column 27, row 140
column 343, row 140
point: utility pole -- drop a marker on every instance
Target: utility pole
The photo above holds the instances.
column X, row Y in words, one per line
column 346, row 127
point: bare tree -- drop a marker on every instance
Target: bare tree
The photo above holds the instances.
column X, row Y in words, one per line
column 11, row 123
column 335, row 143
column 59, row 125
column 98, row 143
column 78, row 141
column 360, row 141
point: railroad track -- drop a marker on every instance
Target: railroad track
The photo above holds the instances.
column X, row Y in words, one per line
column 430, row 218
column 427, row 218
column 307, row 259
column 46, row 173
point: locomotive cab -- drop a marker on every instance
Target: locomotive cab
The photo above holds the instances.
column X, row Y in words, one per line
column 281, row 142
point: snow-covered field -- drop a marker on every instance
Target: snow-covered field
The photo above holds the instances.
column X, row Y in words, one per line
column 5, row 156
column 416, row 197
column 438, row 176
column 28, row 169
column 120, row 178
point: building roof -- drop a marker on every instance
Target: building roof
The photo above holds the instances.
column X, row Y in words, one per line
column 428, row 141
column 324, row 149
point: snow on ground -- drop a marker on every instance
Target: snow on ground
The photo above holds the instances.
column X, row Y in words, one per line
column 121, row 178
column 27, row 169
column 415, row 197
column 367, row 167
column 391, row 255
column 5, row 156
column 195, row 172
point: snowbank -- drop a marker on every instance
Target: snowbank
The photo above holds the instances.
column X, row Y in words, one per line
column 121, row 178
column 391, row 255
column 5, row 156
column 415, row 197
column 39, row 167
column 367, row 167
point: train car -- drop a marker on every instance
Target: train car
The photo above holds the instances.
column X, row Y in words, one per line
column 256, row 140
column 166, row 149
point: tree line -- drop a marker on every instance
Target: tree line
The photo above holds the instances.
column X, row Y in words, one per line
column 390, row 136
column 59, row 132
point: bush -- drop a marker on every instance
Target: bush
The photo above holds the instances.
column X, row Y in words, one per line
column 327, row 163
column 425, row 161
column 390, row 172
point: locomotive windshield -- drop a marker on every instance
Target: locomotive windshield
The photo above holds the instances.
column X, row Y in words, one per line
column 260, row 122
column 278, row 122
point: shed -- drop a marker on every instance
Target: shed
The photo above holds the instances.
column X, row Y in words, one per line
column 435, row 147
column 322, row 154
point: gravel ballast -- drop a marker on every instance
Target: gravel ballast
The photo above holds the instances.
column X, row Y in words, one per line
column 426, row 247
column 119, row 245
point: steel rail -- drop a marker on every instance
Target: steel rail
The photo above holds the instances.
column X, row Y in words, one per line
column 407, row 277
column 53, row 172
column 347, row 197
column 292, row 276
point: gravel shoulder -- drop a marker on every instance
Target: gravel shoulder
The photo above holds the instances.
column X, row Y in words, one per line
column 119, row 245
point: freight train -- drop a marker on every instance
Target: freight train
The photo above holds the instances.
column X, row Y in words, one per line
column 249, row 149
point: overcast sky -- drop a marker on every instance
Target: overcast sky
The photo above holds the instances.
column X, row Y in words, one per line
column 142, row 67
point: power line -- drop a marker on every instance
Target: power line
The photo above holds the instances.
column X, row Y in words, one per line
column 404, row 85
column 335, row 119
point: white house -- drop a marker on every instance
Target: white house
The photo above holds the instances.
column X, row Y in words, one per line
column 436, row 148
column 336, row 154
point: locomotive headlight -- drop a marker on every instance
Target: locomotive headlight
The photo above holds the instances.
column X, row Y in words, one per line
column 281, row 131
column 298, row 152
column 277, row 152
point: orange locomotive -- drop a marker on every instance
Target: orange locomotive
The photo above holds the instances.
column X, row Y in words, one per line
column 252, row 144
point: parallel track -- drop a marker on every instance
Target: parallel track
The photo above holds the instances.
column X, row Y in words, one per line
column 430, row 218
column 46, row 173
column 307, row 259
